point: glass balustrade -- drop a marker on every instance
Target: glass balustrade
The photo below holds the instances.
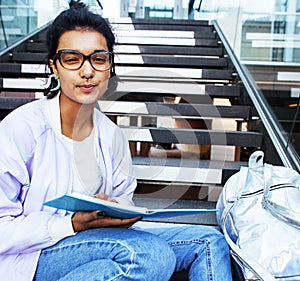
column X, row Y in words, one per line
column 265, row 36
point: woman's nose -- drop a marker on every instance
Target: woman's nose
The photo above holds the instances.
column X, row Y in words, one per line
column 86, row 70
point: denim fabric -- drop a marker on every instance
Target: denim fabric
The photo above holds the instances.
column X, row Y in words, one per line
column 127, row 254
column 201, row 250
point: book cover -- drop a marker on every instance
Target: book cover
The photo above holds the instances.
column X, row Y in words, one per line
column 80, row 202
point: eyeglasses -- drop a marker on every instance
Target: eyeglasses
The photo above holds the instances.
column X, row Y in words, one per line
column 73, row 60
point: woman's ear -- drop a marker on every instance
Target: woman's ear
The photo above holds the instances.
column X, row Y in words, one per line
column 53, row 67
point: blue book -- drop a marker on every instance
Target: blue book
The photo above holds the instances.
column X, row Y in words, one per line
column 80, row 202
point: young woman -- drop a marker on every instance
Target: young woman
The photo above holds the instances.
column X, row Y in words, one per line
column 62, row 144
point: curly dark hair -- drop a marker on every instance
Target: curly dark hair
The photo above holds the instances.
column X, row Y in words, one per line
column 77, row 16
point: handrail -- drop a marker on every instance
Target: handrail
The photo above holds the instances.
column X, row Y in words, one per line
column 286, row 152
column 99, row 4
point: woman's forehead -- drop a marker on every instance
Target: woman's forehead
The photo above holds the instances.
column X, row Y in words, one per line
column 83, row 40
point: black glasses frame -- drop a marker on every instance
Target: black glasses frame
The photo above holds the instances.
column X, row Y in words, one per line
column 57, row 56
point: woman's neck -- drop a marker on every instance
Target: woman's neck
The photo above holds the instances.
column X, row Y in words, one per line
column 76, row 119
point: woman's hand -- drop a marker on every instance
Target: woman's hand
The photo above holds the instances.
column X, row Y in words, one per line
column 96, row 219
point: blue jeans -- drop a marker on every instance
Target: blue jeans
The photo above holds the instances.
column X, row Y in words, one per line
column 129, row 254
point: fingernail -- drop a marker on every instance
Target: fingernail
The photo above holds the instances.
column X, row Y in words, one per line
column 100, row 214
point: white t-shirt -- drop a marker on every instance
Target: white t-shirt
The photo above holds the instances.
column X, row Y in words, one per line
column 87, row 176
column 86, row 172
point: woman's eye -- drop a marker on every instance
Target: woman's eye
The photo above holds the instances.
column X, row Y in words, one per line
column 71, row 59
column 99, row 59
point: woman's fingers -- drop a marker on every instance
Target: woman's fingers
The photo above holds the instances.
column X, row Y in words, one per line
column 102, row 196
column 97, row 219
column 105, row 197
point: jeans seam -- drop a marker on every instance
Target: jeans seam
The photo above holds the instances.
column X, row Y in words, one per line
column 184, row 242
column 207, row 252
column 208, row 259
column 132, row 256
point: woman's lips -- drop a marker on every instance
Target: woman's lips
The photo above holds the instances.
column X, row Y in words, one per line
column 87, row 88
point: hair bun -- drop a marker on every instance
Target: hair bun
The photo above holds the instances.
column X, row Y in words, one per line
column 76, row 4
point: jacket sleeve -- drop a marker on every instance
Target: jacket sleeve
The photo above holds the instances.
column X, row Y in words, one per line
column 20, row 232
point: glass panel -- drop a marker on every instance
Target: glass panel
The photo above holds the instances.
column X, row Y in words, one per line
column 19, row 18
column 265, row 36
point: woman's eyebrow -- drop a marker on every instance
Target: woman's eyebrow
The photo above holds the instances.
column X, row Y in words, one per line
column 94, row 51
column 100, row 50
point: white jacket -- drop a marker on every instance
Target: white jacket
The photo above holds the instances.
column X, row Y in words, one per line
column 34, row 168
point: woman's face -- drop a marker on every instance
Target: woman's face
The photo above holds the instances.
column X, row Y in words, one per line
column 85, row 85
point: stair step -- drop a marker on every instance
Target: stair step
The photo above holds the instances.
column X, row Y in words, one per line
column 194, row 136
column 22, row 84
column 165, row 61
column 166, row 41
column 167, row 88
column 29, row 57
column 168, row 50
column 191, row 93
column 158, row 21
column 19, row 70
column 174, row 32
column 200, row 32
column 188, row 171
column 174, row 109
column 32, row 46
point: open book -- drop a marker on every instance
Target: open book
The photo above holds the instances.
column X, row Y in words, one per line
column 80, row 202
